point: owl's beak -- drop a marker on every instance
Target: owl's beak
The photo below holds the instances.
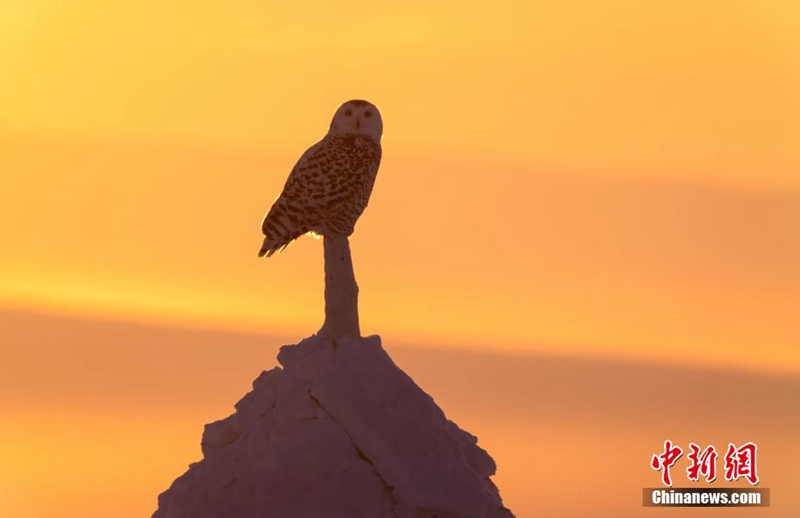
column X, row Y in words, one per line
column 358, row 124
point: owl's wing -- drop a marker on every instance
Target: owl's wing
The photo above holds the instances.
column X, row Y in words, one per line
column 298, row 209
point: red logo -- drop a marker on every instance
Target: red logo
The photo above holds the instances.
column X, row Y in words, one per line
column 665, row 461
column 703, row 463
column 739, row 462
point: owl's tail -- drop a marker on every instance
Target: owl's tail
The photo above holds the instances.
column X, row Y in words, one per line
column 279, row 229
column 270, row 247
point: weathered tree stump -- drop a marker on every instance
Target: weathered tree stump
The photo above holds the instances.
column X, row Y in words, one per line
column 341, row 290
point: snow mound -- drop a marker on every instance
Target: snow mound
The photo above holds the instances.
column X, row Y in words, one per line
column 340, row 431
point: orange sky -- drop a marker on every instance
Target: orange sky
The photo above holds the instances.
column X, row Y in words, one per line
column 81, row 436
column 592, row 179
column 615, row 178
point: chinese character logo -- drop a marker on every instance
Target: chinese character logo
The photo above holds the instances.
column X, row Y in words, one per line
column 665, row 461
column 741, row 462
column 703, row 463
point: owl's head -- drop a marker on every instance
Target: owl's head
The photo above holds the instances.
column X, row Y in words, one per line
column 358, row 117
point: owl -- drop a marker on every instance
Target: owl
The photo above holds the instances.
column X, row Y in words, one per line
column 331, row 184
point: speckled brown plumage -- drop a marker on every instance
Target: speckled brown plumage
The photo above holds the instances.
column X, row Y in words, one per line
column 327, row 190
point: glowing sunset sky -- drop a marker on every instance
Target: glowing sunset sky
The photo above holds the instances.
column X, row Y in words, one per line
column 606, row 178
column 617, row 179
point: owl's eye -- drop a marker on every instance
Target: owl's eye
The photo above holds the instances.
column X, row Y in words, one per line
column 348, row 113
column 368, row 114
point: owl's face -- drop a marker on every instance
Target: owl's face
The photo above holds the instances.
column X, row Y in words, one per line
column 358, row 117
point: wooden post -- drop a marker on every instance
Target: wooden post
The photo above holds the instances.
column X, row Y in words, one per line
column 341, row 290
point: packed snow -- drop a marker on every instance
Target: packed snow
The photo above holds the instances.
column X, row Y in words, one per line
column 340, row 431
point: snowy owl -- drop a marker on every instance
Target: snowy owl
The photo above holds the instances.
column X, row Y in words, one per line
column 330, row 186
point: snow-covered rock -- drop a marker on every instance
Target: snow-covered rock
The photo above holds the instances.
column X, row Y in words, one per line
column 340, row 431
